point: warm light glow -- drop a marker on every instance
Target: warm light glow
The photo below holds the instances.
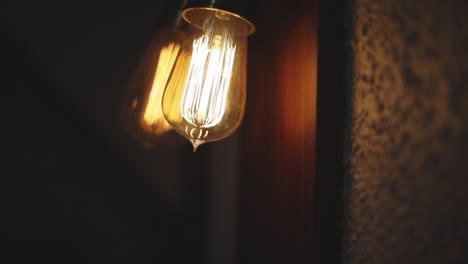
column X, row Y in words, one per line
column 205, row 93
column 205, row 96
column 152, row 116
column 142, row 115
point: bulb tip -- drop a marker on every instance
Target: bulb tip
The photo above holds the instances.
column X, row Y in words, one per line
column 196, row 143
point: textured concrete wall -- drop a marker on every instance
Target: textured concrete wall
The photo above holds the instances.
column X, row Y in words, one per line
column 408, row 151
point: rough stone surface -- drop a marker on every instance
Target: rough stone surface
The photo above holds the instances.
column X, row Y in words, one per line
column 407, row 157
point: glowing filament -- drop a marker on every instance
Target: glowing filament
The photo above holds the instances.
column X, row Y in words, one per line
column 152, row 114
column 205, row 93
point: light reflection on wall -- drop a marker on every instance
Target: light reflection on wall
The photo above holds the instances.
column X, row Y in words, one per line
column 152, row 117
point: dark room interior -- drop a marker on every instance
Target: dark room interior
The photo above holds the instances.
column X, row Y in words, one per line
column 353, row 148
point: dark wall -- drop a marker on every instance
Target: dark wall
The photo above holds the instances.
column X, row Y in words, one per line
column 66, row 196
column 408, row 150
column 70, row 190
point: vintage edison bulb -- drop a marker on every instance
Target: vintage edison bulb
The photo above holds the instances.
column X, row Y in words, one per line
column 142, row 114
column 205, row 96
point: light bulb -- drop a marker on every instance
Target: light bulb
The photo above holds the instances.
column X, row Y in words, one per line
column 205, row 96
column 142, row 112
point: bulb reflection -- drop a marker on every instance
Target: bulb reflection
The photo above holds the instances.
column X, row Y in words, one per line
column 152, row 116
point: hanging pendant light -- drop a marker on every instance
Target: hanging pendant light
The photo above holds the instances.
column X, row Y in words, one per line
column 205, row 94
